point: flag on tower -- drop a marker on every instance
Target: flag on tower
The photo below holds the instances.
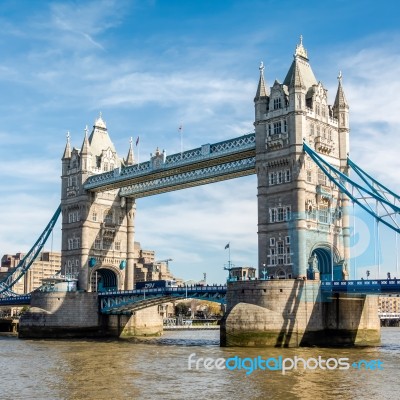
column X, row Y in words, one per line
column 137, row 141
column 227, row 246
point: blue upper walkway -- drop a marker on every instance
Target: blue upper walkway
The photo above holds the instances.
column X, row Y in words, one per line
column 208, row 163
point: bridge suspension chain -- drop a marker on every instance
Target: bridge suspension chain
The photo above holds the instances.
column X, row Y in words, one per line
column 23, row 266
column 375, row 198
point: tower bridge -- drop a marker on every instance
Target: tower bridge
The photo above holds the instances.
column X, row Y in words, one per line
column 299, row 152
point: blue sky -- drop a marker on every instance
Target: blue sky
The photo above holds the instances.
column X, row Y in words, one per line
column 149, row 66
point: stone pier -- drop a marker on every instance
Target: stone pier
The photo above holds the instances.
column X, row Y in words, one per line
column 76, row 315
column 293, row 313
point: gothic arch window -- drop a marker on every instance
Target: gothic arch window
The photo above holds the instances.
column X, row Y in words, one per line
column 108, row 217
column 97, row 243
column 281, row 274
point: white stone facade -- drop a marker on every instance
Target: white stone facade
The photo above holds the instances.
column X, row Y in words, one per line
column 300, row 213
column 95, row 227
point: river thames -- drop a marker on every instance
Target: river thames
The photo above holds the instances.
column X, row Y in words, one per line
column 158, row 369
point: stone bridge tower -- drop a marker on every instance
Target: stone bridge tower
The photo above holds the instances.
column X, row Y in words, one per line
column 303, row 226
column 97, row 228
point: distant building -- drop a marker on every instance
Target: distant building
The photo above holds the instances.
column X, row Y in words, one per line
column 147, row 268
column 45, row 266
column 389, row 304
column 48, row 264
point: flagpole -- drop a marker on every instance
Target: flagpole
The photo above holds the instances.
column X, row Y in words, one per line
column 181, row 132
column 138, row 149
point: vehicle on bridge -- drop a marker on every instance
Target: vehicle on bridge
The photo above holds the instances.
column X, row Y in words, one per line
column 156, row 284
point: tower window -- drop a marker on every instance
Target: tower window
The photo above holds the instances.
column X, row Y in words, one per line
column 280, row 176
column 272, row 241
column 272, row 178
column 273, row 214
column 321, row 177
column 287, row 175
column 277, row 103
column 108, row 217
column 323, row 215
column 107, row 244
column 280, row 214
column 277, row 127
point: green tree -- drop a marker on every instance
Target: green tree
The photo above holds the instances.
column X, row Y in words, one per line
column 182, row 309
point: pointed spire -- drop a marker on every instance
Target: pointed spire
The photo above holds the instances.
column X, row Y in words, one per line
column 296, row 80
column 262, row 91
column 130, row 158
column 67, row 151
column 85, row 145
column 100, row 123
column 340, row 100
column 300, row 73
column 300, row 50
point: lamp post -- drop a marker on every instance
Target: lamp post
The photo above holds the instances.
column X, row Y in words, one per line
column 185, row 283
column 264, row 271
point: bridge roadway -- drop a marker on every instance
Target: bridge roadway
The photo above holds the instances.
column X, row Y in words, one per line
column 126, row 301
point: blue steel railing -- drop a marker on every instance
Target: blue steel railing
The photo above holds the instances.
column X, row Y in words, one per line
column 372, row 286
column 16, row 300
column 120, row 302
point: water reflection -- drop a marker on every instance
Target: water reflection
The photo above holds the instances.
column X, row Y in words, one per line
column 158, row 369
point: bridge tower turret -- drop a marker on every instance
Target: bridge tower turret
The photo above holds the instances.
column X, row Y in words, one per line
column 302, row 224
column 97, row 229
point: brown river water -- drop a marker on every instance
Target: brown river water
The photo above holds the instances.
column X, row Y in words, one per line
column 159, row 369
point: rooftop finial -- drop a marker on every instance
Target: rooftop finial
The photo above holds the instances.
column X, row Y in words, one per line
column 86, row 130
column 68, row 136
column 300, row 50
column 340, row 77
column 261, row 68
column 100, row 114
